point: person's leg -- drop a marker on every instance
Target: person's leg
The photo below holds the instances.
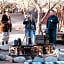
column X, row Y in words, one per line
column 50, row 35
column 54, row 36
column 6, row 42
column 27, row 35
column 34, row 37
column 2, row 42
column 7, row 35
column 31, row 36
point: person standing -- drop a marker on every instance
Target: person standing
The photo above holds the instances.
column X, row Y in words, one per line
column 29, row 27
column 9, row 20
column 6, row 27
column 52, row 26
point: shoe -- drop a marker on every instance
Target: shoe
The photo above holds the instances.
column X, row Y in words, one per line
column 2, row 42
column 53, row 46
column 6, row 42
column 30, row 44
column 50, row 43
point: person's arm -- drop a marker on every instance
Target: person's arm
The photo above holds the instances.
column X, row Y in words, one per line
column 10, row 24
column 34, row 24
column 9, row 18
column 25, row 21
column 10, row 27
column 56, row 20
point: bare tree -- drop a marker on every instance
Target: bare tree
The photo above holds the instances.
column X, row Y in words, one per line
column 38, row 4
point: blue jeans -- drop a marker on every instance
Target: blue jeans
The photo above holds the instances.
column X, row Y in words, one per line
column 34, row 35
column 29, row 33
column 52, row 35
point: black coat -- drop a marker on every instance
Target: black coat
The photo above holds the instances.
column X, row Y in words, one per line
column 53, row 24
column 5, row 26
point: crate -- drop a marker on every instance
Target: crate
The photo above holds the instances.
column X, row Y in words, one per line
column 21, row 51
column 29, row 50
column 40, row 39
column 13, row 50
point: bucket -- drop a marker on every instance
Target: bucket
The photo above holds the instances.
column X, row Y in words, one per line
column 15, row 42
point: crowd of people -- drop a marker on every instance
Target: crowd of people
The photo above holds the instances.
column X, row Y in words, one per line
column 30, row 27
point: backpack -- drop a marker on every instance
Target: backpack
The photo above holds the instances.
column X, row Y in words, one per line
column 15, row 42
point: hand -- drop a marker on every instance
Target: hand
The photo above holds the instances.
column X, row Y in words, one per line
column 51, row 20
column 32, row 25
column 26, row 19
column 9, row 21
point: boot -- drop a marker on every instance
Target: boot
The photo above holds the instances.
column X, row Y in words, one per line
column 2, row 42
column 6, row 42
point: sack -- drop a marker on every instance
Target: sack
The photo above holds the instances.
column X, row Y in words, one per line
column 4, row 27
column 61, row 56
column 38, row 59
column 19, row 59
column 2, row 57
column 51, row 59
column 9, row 58
column 1, row 27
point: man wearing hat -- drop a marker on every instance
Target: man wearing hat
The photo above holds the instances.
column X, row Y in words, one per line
column 52, row 26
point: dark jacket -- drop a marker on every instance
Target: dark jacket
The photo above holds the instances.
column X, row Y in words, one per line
column 53, row 24
column 4, row 25
column 10, row 24
column 28, row 24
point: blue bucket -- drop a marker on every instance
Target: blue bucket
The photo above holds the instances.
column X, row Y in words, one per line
column 15, row 42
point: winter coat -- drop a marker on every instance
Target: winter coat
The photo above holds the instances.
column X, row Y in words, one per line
column 53, row 24
column 28, row 24
column 5, row 26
